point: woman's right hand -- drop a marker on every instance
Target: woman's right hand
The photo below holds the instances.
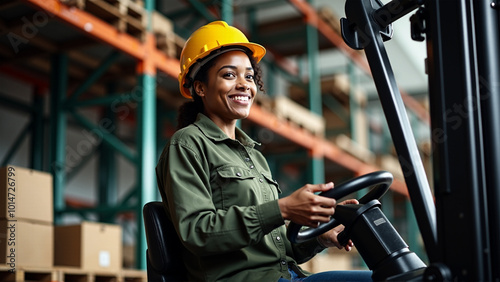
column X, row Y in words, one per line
column 306, row 208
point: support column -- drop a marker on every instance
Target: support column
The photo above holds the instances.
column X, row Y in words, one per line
column 58, row 125
column 146, row 139
column 316, row 163
column 227, row 11
column 37, row 130
column 146, row 117
column 108, row 188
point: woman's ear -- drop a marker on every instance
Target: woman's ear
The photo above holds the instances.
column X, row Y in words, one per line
column 199, row 88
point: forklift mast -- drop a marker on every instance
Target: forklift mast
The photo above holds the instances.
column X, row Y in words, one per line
column 464, row 79
column 460, row 225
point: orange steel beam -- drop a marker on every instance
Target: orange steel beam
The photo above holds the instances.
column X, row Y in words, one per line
column 312, row 18
column 104, row 32
column 169, row 65
column 319, row 147
column 93, row 26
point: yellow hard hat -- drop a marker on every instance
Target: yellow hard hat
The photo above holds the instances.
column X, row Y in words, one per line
column 206, row 39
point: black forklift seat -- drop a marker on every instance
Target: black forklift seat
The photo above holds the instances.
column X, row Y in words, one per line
column 164, row 247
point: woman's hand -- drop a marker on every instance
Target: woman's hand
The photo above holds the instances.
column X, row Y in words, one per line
column 329, row 239
column 306, row 208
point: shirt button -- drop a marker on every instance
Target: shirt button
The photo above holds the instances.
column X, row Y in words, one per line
column 238, row 174
column 251, row 166
column 260, row 179
column 283, row 262
column 247, row 159
column 278, row 238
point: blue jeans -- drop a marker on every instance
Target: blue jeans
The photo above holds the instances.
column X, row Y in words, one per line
column 344, row 275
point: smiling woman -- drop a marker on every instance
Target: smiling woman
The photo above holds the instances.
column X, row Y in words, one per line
column 217, row 188
column 234, row 74
column 229, row 92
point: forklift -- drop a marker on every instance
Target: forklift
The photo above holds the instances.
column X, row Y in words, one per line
column 460, row 220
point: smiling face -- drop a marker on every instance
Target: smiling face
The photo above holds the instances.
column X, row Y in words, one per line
column 230, row 88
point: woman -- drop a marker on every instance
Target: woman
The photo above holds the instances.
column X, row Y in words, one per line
column 218, row 189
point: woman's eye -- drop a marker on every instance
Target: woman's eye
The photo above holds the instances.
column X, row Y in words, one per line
column 250, row 77
column 229, row 74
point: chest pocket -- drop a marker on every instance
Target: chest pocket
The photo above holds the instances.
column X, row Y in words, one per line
column 273, row 183
column 237, row 173
column 241, row 186
column 234, row 186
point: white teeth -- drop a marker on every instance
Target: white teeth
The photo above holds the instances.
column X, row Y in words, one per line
column 240, row 98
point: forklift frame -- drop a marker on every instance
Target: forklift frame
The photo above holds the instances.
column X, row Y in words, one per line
column 460, row 225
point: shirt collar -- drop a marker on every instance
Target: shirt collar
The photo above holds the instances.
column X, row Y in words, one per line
column 212, row 131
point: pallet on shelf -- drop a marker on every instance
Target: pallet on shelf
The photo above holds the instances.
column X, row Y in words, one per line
column 391, row 164
column 338, row 84
column 356, row 149
column 285, row 108
column 163, row 29
column 328, row 16
column 126, row 16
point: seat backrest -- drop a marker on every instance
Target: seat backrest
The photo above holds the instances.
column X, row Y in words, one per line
column 164, row 261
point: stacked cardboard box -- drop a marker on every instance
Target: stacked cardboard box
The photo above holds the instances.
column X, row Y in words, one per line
column 26, row 218
column 90, row 246
column 28, row 237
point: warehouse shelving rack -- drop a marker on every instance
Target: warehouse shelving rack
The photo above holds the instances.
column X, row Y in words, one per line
column 152, row 69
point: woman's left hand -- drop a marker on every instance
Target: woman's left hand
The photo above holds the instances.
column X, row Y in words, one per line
column 329, row 239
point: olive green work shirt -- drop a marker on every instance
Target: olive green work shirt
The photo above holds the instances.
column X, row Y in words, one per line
column 223, row 202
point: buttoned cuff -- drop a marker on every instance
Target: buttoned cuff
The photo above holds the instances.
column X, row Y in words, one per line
column 269, row 215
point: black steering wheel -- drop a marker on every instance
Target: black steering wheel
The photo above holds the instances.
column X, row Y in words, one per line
column 380, row 181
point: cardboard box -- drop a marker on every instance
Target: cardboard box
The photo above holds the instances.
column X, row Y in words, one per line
column 26, row 244
column 26, row 194
column 90, row 246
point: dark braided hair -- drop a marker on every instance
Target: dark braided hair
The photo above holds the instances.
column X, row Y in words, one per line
column 190, row 109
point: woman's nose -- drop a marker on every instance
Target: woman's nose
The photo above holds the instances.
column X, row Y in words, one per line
column 243, row 85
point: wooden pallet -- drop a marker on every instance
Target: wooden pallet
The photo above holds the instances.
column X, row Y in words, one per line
column 69, row 274
column 391, row 164
column 328, row 16
column 337, row 85
column 163, row 30
column 355, row 149
column 286, row 109
column 27, row 274
column 126, row 16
